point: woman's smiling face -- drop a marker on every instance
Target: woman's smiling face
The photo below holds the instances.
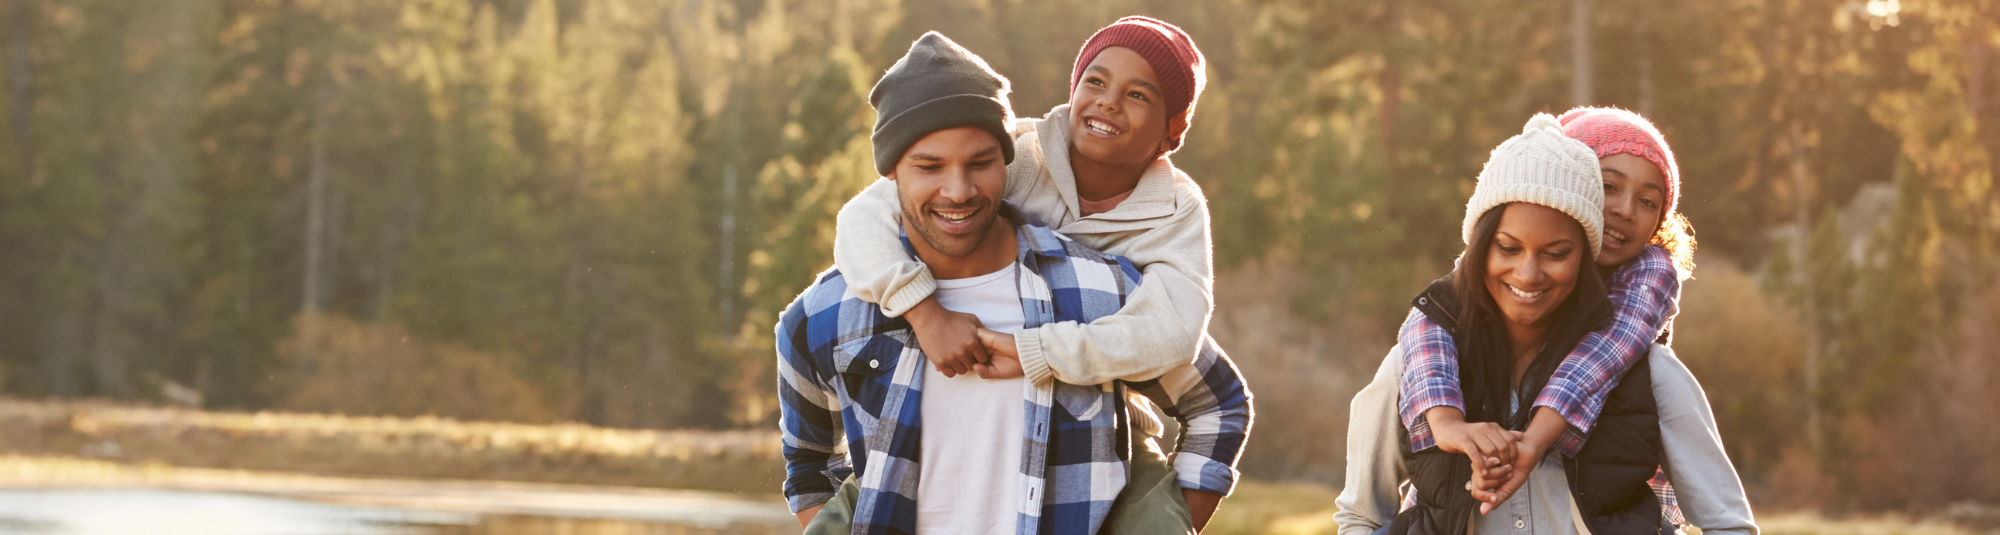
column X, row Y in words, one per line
column 1117, row 115
column 1534, row 262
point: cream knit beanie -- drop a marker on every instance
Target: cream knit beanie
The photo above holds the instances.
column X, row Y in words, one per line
column 1542, row 166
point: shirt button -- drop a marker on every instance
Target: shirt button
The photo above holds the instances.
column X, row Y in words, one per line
column 1520, row 524
column 872, row 363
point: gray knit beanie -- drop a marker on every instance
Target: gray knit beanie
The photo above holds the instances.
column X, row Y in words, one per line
column 938, row 85
column 1542, row 166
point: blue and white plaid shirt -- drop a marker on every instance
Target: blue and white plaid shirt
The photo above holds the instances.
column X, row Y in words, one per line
column 850, row 384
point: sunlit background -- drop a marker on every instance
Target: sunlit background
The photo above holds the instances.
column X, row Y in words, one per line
column 512, row 266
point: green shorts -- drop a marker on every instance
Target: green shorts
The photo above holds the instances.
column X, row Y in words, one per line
column 1151, row 503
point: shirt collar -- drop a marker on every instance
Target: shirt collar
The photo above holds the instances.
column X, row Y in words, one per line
column 1152, row 197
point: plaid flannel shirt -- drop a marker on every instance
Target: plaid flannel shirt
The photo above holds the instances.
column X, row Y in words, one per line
column 1645, row 295
column 850, row 382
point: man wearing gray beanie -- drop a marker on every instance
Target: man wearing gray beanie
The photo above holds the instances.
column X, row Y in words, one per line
column 938, row 85
column 880, row 440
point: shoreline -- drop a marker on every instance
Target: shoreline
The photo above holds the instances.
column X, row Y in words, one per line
column 688, row 507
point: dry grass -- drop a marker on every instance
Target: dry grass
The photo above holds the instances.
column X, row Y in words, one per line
column 1814, row 524
column 422, row 447
column 1258, row 508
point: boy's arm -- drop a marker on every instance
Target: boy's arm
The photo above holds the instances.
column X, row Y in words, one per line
column 1644, row 295
column 1213, row 407
column 809, row 419
column 1160, row 325
column 869, row 251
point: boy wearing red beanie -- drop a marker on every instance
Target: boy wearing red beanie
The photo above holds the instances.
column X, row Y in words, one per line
column 1096, row 170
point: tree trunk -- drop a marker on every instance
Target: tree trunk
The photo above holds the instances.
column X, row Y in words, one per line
column 1982, row 99
column 1646, row 90
column 315, row 231
column 1803, row 203
column 1580, row 53
column 21, row 82
column 315, row 236
column 726, row 283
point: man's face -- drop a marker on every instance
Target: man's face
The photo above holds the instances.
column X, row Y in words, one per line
column 950, row 183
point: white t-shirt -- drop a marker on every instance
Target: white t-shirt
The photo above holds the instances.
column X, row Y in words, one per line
column 972, row 439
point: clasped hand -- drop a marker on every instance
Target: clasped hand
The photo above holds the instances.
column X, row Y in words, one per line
column 957, row 343
column 1501, row 459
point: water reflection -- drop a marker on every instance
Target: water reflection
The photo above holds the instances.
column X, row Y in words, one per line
column 176, row 512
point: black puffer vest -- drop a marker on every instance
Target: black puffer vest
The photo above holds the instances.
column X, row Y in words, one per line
column 1608, row 477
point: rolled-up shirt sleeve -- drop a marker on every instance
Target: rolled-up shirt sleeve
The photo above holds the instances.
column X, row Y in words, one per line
column 1213, row 406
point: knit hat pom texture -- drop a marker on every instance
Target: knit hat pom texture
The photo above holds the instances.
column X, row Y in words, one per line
column 1542, row 166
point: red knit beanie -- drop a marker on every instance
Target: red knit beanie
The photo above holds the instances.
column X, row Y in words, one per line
column 1614, row 131
column 1170, row 52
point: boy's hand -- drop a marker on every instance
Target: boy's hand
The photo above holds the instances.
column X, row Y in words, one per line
column 949, row 339
column 1006, row 362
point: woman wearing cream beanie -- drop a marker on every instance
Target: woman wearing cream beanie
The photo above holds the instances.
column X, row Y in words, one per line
column 1542, row 166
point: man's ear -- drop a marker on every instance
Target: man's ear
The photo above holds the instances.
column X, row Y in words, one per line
column 892, row 175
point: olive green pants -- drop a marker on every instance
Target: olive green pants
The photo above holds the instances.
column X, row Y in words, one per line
column 1151, row 503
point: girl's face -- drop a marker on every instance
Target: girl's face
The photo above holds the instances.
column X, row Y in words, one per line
column 1117, row 115
column 1634, row 198
column 1533, row 264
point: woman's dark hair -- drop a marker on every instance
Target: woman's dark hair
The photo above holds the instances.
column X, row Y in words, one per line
column 1486, row 358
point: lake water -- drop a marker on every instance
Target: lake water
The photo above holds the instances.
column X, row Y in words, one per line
column 183, row 512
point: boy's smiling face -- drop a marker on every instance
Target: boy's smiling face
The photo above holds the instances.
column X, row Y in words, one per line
column 1117, row 115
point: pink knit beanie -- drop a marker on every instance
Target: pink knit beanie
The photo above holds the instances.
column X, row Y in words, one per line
column 1169, row 51
column 1614, row 131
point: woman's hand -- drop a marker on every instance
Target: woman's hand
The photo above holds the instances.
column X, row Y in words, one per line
column 1543, row 430
column 1491, row 492
column 1490, row 446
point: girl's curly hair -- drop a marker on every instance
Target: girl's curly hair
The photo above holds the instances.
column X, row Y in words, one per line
column 1676, row 235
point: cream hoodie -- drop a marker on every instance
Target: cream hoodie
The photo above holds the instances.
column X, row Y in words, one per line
column 1162, row 228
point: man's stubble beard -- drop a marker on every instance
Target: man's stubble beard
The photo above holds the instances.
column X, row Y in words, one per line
column 928, row 231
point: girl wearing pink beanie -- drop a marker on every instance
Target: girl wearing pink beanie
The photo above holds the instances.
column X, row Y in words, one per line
column 1647, row 249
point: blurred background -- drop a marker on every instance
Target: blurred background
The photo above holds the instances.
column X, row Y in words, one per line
column 546, row 241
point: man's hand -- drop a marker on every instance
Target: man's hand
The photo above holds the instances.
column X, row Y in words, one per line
column 1490, row 446
column 949, row 339
column 806, row 515
column 1006, row 362
column 1201, row 504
